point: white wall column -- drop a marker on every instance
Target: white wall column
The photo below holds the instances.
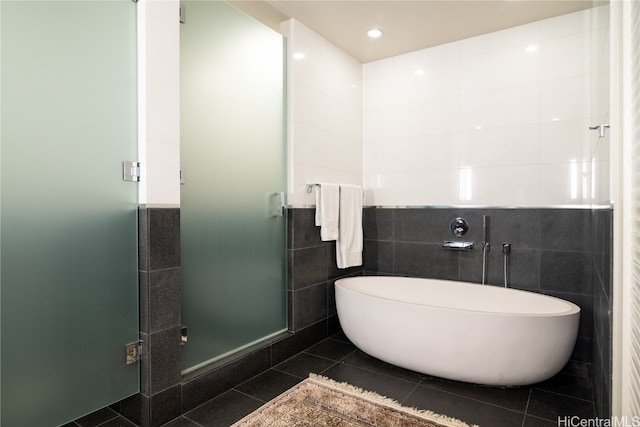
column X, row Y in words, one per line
column 159, row 102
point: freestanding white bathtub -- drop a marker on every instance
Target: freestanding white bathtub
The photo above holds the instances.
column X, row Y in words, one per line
column 460, row 331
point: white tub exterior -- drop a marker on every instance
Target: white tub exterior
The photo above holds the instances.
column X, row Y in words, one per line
column 460, row 331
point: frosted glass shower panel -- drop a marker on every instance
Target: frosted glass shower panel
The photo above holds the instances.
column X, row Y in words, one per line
column 232, row 153
column 68, row 244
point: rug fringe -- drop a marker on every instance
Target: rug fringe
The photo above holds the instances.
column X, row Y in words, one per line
column 390, row 403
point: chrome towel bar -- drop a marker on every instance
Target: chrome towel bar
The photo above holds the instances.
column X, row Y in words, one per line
column 310, row 187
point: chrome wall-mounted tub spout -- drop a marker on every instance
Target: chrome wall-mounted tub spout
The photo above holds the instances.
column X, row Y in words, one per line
column 458, row 246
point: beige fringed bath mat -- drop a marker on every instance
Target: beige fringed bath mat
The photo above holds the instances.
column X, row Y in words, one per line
column 320, row 401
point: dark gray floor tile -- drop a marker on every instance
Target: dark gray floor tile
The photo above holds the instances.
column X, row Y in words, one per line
column 332, row 349
column 468, row 410
column 303, row 364
column 530, row 421
column 565, row 395
column 384, row 385
column 550, row 406
column 569, row 385
column 340, row 336
column 215, row 382
column 181, row 422
column 118, row 422
column 514, row 398
column 364, row 361
column 97, row 418
column 268, row 385
column 224, row 410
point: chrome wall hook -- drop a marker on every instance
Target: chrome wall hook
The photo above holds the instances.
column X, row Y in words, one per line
column 601, row 129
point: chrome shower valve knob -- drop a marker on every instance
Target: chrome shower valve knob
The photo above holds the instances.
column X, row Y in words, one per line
column 458, row 227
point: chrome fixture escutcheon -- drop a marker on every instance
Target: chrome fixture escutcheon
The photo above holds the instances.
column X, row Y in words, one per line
column 458, row 227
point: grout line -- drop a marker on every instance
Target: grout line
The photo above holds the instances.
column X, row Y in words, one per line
column 114, row 415
column 193, row 421
column 329, row 367
column 330, row 359
column 537, row 417
column 473, row 399
column 335, row 337
column 110, row 420
column 287, row 373
column 526, row 408
column 562, row 394
column 303, row 352
column 250, row 395
column 411, row 392
column 382, row 373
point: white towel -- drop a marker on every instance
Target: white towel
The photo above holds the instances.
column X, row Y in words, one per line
column 327, row 210
column 349, row 243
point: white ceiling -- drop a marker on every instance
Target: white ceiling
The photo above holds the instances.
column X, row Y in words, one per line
column 407, row 25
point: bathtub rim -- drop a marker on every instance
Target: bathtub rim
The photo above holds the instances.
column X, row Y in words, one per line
column 572, row 308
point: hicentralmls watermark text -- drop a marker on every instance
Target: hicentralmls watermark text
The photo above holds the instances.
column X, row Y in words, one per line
column 575, row 421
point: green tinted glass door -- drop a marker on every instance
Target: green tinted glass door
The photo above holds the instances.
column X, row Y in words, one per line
column 232, row 153
column 68, row 220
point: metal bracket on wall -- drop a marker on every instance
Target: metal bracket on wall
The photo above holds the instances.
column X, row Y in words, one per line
column 183, row 335
column 183, row 14
column 133, row 352
column 601, row 129
column 131, row 171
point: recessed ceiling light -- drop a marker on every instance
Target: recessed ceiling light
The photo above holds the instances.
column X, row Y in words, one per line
column 374, row 33
column 531, row 48
column 298, row 55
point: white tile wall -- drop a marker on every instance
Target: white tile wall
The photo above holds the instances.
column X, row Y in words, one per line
column 499, row 119
column 159, row 102
column 325, row 114
column 600, row 147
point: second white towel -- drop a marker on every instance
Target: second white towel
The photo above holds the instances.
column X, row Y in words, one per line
column 327, row 210
column 349, row 243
